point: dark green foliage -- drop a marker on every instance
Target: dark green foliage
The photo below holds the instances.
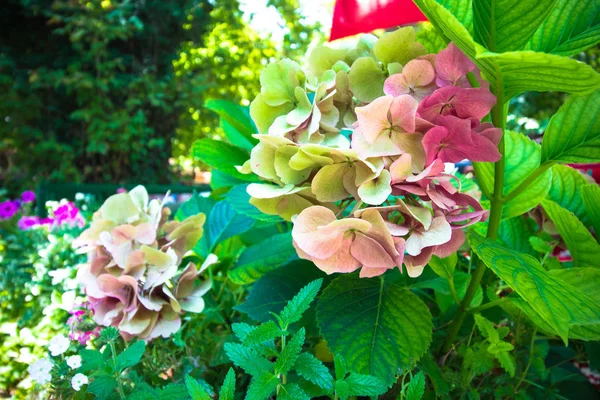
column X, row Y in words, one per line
column 89, row 92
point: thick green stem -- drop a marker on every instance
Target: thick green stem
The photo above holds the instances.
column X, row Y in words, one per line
column 497, row 204
column 117, row 372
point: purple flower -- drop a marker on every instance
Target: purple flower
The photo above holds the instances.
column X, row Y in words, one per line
column 27, row 222
column 68, row 213
column 8, row 209
column 28, row 196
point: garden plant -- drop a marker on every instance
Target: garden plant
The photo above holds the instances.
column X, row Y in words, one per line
column 342, row 253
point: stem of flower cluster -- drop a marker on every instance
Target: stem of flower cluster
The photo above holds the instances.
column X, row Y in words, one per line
column 117, row 372
column 498, row 113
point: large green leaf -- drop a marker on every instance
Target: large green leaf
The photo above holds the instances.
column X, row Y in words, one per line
column 581, row 244
column 236, row 117
column 222, row 156
column 462, row 10
column 376, row 325
column 591, row 201
column 571, row 27
column 272, row 291
column 512, row 73
column 566, row 190
column 239, row 199
column 195, row 205
column 525, row 71
column 557, row 303
column 585, row 280
column 515, row 233
column 573, row 134
column 222, row 223
column 260, row 258
column 522, row 158
column 507, row 25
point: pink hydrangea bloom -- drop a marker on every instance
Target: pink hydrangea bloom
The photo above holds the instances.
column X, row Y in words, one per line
column 429, row 114
column 133, row 278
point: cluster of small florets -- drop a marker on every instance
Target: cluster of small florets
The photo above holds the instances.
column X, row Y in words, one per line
column 132, row 278
column 371, row 127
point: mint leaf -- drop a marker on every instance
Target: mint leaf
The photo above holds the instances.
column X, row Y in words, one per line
column 195, row 390
column 262, row 386
column 102, row 386
column 416, row 387
column 131, row 355
column 294, row 310
column 364, row 385
column 228, row 389
column 313, row 370
column 247, row 359
column 289, row 355
column 291, row 391
column 262, row 333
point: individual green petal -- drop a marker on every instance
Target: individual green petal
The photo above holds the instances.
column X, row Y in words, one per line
column 323, row 58
column 376, row 191
column 310, row 156
column 120, row 208
column 278, row 81
column 398, row 46
column 268, row 191
column 139, row 196
column 328, row 183
column 293, row 205
column 264, row 115
column 287, row 174
column 262, row 161
column 366, row 79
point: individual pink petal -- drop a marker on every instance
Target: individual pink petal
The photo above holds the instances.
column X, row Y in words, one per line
column 473, row 103
column 435, row 168
column 438, row 103
column 415, row 264
column 371, row 272
column 307, row 235
column 438, row 233
column 145, row 233
column 370, row 253
column 373, row 118
column 451, row 142
column 401, row 168
column 396, row 85
column 451, row 65
column 485, row 149
column 452, row 246
column 419, row 72
column 379, row 231
column 403, row 111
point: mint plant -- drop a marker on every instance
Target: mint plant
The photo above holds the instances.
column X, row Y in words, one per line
column 277, row 363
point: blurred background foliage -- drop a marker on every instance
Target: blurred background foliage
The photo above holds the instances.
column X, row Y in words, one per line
column 113, row 91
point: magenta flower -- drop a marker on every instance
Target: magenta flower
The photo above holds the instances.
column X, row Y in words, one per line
column 28, row 196
column 452, row 66
column 27, row 222
column 453, row 140
column 474, row 103
column 68, row 213
column 8, row 209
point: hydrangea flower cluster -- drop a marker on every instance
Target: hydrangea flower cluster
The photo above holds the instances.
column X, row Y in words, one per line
column 132, row 278
column 374, row 127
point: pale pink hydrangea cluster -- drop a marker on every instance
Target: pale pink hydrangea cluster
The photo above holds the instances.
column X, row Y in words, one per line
column 132, row 278
column 347, row 136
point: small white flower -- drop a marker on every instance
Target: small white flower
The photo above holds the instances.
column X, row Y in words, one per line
column 74, row 362
column 58, row 345
column 40, row 371
column 78, row 381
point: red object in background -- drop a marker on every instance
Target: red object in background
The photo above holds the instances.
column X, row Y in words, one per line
column 351, row 17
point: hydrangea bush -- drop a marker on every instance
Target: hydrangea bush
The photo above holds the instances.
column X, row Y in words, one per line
column 340, row 189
